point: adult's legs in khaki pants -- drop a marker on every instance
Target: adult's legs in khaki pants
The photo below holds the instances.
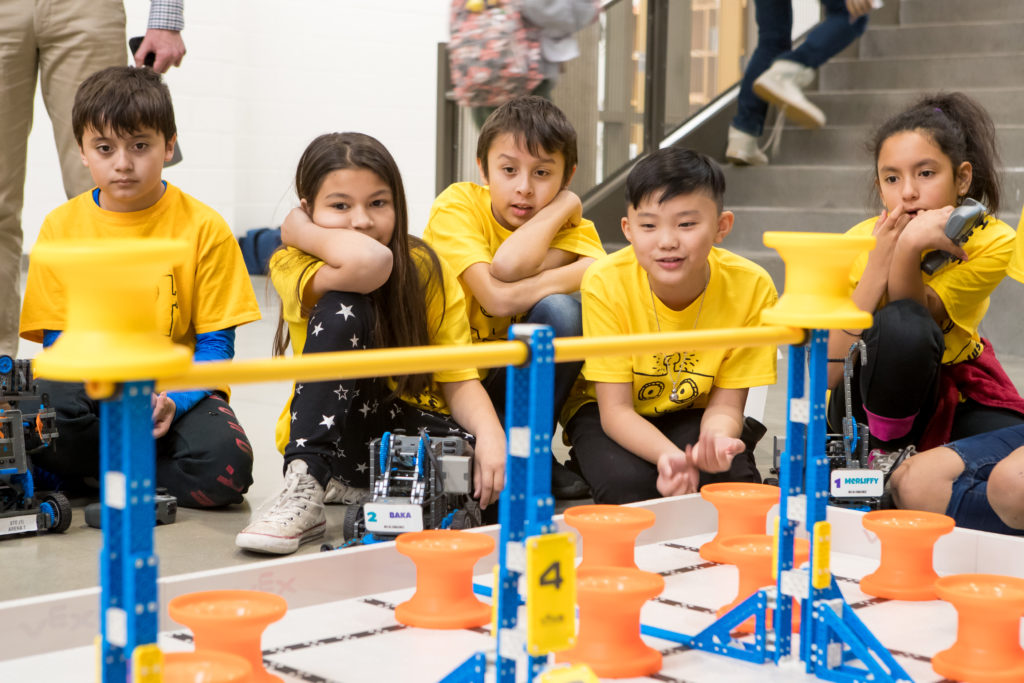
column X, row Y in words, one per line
column 64, row 41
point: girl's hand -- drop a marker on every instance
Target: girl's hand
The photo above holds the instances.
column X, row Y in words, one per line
column 677, row 475
column 714, row 452
column 294, row 225
column 927, row 231
column 163, row 414
column 489, row 470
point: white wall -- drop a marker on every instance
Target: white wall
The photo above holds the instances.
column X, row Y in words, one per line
column 261, row 79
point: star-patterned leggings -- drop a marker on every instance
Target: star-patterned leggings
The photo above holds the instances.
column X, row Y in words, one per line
column 334, row 422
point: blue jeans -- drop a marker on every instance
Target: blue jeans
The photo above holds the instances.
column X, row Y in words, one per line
column 968, row 503
column 565, row 315
column 774, row 41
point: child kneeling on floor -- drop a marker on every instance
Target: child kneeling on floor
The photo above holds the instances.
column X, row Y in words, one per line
column 667, row 423
column 351, row 277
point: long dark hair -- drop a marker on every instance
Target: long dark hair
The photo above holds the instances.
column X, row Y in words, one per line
column 962, row 129
column 401, row 311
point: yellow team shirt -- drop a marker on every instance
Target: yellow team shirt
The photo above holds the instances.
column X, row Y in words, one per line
column 617, row 299
column 964, row 288
column 464, row 231
column 1016, row 267
column 291, row 270
column 211, row 291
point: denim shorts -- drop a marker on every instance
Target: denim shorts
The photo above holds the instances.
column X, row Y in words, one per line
column 968, row 504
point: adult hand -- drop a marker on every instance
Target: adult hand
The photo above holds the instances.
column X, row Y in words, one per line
column 163, row 414
column 677, row 475
column 168, row 47
column 489, row 472
column 858, row 8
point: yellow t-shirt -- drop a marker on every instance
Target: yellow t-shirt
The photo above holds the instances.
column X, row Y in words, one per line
column 292, row 269
column 1016, row 267
column 964, row 288
column 617, row 299
column 464, row 231
column 211, row 291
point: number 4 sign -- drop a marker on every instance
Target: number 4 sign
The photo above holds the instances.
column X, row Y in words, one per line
column 550, row 593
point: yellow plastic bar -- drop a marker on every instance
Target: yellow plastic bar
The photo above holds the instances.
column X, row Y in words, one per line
column 407, row 360
column 821, row 568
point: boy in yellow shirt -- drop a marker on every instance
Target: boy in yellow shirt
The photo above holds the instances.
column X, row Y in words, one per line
column 123, row 120
column 519, row 243
column 678, row 411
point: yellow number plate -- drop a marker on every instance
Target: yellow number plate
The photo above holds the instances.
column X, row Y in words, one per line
column 550, row 593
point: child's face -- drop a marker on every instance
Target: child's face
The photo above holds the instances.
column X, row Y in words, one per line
column 127, row 169
column 672, row 241
column 355, row 199
column 915, row 173
column 521, row 184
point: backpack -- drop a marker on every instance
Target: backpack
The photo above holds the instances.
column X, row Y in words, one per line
column 257, row 245
column 493, row 53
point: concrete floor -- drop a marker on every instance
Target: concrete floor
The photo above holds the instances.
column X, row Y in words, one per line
column 201, row 540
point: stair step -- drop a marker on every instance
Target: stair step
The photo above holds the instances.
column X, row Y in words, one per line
column 753, row 221
column 834, row 187
column 933, row 72
column 848, row 145
column 942, row 39
column 933, row 11
column 854, row 107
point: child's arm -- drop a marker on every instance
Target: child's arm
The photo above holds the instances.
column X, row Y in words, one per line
column 353, row 261
column 628, row 428
column 873, row 285
column 471, row 407
column 510, row 298
column 528, row 250
column 925, row 232
column 718, row 444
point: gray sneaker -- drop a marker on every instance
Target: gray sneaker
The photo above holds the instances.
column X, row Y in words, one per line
column 340, row 493
column 295, row 517
column 782, row 85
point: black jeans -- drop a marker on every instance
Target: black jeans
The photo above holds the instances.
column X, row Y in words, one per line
column 618, row 476
column 204, row 459
column 334, row 422
column 896, row 392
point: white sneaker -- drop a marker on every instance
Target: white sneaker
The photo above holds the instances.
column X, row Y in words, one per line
column 782, row 85
column 295, row 517
column 340, row 493
column 743, row 149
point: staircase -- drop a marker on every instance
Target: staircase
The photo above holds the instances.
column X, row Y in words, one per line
column 823, row 180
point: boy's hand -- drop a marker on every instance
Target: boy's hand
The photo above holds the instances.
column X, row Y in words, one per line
column 294, row 225
column 489, row 470
column 677, row 475
column 163, row 414
column 858, row 8
column 714, row 452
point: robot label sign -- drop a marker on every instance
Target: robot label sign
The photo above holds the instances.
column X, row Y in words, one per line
column 18, row 525
column 393, row 518
column 857, row 483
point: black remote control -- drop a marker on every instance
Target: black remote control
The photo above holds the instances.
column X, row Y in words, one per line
column 962, row 222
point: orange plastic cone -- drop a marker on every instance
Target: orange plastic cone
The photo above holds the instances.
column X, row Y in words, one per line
column 230, row 621
column 752, row 555
column 609, row 533
column 444, row 561
column 207, row 666
column 908, row 539
column 742, row 509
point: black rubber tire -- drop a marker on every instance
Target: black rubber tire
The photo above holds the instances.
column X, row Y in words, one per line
column 62, row 511
column 354, row 525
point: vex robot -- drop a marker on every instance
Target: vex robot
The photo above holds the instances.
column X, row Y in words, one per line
column 24, row 412
column 416, row 483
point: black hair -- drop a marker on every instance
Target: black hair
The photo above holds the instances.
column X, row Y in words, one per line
column 126, row 99
column 535, row 122
column 674, row 171
column 962, row 129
